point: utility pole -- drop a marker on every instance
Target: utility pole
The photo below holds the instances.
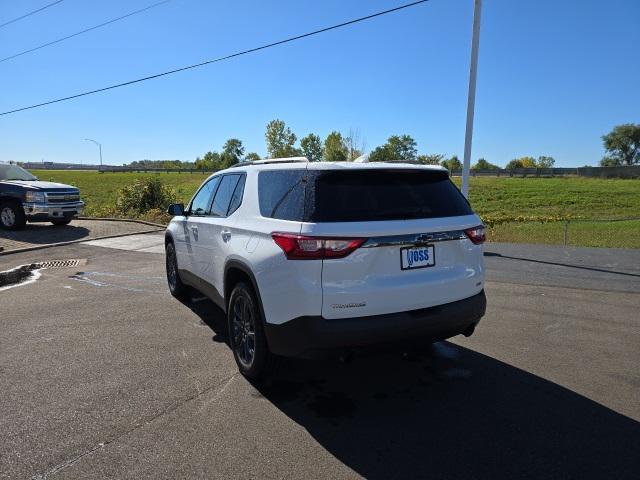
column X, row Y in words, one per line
column 99, row 147
column 471, row 98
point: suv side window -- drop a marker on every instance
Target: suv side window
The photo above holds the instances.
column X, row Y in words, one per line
column 236, row 199
column 202, row 199
column 281, row 194
column 222, row 200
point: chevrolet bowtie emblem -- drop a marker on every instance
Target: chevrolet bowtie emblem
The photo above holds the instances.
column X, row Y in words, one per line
column 424, row 238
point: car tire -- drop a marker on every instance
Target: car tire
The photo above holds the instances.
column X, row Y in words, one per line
column 12, row 216
column 66, row 221
column 178, row 289
column 246, row 334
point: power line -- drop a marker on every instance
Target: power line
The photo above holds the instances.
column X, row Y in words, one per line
column 30, row 13
column 220, row 59
column 83, row 31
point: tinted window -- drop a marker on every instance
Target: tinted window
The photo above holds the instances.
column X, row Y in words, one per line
column 236, row 199
column 14, row 172
column 223, row 195
column 202, row 200
column 370, row 195
column 281, row 194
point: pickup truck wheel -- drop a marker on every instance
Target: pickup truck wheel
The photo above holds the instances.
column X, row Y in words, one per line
column 246, row 334
column 176, row 287
column 65, row 221
column 12, row 216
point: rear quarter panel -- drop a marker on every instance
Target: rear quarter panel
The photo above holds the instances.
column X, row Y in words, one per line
column 288, row 288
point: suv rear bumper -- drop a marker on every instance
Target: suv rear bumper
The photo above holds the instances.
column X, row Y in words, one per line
column 310, row 337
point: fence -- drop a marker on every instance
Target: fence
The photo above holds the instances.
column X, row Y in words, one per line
column 612, row 233
column 599, row 172
column 155, row 170
column 602, row 172
column 632, row 171
column 112, row 168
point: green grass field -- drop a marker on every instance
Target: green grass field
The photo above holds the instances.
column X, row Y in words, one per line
column 99, row 190
column 518, row 209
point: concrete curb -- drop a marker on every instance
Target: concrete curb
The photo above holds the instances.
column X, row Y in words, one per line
column 129, row 220
column 81, row 240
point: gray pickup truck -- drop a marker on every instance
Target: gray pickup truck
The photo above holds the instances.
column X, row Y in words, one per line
column 25, row 198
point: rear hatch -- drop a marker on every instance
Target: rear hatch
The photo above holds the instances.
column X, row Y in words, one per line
column 413, row 253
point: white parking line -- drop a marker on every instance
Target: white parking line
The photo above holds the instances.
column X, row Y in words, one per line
column 32, row 277
column 146, row 242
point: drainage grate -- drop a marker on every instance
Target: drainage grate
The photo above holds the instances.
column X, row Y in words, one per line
column 61, row 263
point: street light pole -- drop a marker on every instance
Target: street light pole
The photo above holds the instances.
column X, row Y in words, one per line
column 99, row 147
column 471, row 98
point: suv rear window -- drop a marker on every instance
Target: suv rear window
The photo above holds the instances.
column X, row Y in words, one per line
column 371, row 195
column 358, row 195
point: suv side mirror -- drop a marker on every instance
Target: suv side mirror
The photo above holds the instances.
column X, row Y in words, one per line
column 176, row 209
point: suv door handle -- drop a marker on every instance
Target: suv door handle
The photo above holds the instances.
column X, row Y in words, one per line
column 226, row 235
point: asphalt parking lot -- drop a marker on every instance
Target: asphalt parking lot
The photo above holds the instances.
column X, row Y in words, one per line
column 105, row 375
column 35, row 235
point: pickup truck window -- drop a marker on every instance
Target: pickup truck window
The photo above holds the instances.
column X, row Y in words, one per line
column 14, row 172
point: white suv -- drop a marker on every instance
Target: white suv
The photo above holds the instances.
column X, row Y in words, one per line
column 309, row 257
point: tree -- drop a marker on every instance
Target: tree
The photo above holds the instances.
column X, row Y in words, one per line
column 610, row 162
column 170, row 164
column 452, row 164
column 312, row 147
column 623, row 144
column 233, row 147
column 404, row 146
column 210, row 161
column 545, row 162
column 334, row 148
column 232, row 152
column 482, row 164
column 380, row 154
column 164, row 164
column 522, row 162
column 398, row 148
column 280, row 140
column 354, row 145
column 252, row 157
column 433, row 159
column 513, row 164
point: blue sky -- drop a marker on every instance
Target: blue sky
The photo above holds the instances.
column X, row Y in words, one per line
column 553, row 76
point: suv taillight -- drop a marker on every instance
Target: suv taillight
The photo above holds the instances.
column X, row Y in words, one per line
column 476, row 234
column 300, row 247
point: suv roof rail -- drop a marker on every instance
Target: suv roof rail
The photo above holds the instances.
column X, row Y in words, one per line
column 267, row 161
